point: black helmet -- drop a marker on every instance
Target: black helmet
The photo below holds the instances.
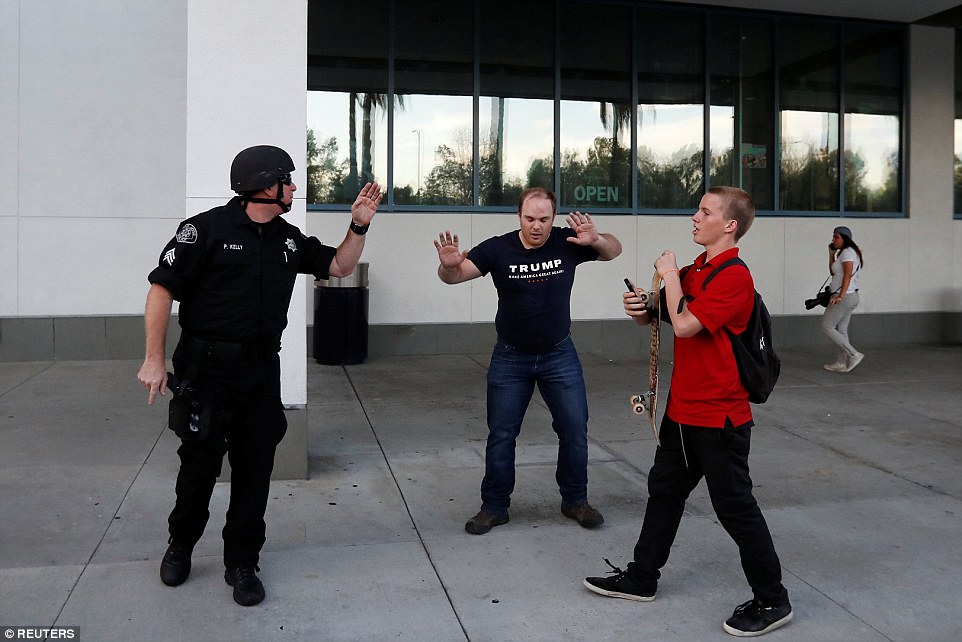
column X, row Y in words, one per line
column 258, row 168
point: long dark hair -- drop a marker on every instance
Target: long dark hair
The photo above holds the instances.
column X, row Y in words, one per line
column 848, row 242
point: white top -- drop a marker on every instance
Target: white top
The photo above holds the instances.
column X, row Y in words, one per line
column 848, row 255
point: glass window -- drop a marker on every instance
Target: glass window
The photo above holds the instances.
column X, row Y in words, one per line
column 671, row 114
column 595, row 60
column 809, row 91
column 346, row 113
column 873, row 110
column 958, row 124
column 618, row 106
column 516, row 119
column 433, row 117
column 742, row 128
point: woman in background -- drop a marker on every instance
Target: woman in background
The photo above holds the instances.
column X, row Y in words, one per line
column 844, row 262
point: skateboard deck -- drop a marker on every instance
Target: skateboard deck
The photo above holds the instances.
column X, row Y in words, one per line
column 647, row 402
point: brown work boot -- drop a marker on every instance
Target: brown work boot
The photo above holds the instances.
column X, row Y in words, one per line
column 584, row 514
column 484, row 521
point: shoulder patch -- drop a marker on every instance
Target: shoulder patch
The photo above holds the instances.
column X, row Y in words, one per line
column 187, row 234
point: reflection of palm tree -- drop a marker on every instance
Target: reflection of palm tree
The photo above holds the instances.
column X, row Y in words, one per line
column 620, row 118
column 369, row 102
column 352, row 183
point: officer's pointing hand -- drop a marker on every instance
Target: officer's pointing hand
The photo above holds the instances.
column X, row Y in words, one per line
column 365, row 205
column 154, row 379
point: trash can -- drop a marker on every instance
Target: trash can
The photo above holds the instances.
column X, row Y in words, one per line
column 340, row 318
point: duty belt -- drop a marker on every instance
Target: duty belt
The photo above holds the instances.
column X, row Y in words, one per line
column 226, row 352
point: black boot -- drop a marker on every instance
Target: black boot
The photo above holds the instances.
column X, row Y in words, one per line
column 248, row 590
column 175, row 566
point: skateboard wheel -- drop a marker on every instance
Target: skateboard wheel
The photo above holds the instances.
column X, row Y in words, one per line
column 638, row 409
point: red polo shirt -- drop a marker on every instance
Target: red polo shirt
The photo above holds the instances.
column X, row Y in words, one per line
column 705, row 387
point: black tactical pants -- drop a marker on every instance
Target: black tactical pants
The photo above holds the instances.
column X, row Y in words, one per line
column 249, row 422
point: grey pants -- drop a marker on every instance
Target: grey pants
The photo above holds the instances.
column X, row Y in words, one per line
column 835, row 325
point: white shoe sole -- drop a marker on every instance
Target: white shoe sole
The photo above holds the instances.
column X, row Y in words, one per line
column 624, row 596
column 750, row 634
column 857, row 359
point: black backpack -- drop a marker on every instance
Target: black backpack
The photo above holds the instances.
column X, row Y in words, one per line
column 754, row 350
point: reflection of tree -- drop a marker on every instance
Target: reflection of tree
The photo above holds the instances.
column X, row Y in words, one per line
column 809, row 182
column 676, row 183
column 370, row 102
column 325, row 176
column 809, row 179
column 451, row 180
column 859, row 197
column 958, row 184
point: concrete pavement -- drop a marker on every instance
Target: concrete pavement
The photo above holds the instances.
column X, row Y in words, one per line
column 858, row 476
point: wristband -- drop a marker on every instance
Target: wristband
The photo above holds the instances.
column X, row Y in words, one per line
column 360, row 230
column 666, row 272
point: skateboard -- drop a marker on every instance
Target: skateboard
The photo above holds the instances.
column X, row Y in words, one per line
column 647, row 402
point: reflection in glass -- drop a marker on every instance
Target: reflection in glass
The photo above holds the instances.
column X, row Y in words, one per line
column 740, row 56
column 516, row 148
column 434, row 70
column 871, row 163
column 345, row 148
column 721, row 146
column 595, row 106
column 433, row 151
column 809, row 161
column 809, row 84
column 595, row 169
column 670, row 114
column 873, row 110
column 347, row 78
column 958, row 167
column 670, row 156
column 516, row 109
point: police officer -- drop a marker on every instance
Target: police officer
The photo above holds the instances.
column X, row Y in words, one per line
column 233, row 270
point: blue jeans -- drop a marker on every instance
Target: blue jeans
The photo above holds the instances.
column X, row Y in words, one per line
column 511, row 379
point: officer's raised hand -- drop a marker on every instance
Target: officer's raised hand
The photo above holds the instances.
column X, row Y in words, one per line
column 365, row 205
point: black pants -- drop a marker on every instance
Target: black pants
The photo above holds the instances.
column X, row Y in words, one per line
column 249, row 423
column 721, row 457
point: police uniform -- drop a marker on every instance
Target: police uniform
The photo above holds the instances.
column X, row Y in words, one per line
column 234, row 279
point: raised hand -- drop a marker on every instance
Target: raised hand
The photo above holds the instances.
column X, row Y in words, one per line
column 365, row 205
column 448, row 252
column 584, row 227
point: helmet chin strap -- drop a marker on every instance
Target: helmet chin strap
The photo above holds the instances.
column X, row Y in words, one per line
column 285, row 207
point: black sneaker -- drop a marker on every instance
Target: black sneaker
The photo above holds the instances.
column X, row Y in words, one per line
column 756, row 618
column 484, row 521
column 620, row 585
column 175, row 567
column 584, row 514
column 248, row 590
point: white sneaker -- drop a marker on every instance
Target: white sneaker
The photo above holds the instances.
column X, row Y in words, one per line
column 853, row 361
column 838, row 366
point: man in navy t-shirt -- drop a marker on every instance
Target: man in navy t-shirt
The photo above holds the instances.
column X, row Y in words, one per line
column 533, row 270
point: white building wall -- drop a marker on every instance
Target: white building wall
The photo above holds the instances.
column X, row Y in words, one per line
column 247, row 85
column 92, row 110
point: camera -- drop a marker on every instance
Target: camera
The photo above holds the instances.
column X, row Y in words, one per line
column 822, row 298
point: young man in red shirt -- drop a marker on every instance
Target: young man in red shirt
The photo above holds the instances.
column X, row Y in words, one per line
column 706, row 430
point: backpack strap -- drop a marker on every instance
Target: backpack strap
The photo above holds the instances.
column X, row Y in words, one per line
column 728, row 263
